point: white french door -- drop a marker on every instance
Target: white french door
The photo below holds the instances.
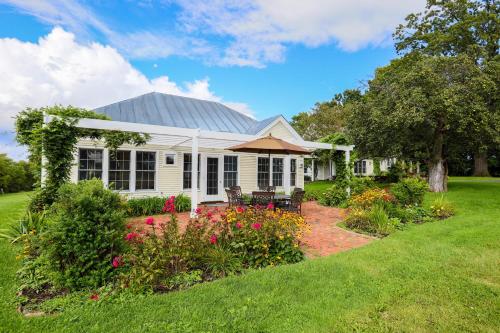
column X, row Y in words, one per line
column 212, row 179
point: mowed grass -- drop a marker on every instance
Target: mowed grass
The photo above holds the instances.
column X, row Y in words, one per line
column 442, row 276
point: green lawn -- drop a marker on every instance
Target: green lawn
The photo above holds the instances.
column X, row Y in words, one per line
column 442, row 276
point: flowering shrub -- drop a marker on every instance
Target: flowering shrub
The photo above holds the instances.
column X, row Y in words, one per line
column 370, row 197
column 374, row 221
column 264, row 237
column 442, row 208
column 217, row 243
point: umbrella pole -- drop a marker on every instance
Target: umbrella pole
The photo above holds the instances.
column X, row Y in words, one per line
column 270, row 169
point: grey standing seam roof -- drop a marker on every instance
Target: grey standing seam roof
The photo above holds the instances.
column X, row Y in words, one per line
column 184, row 112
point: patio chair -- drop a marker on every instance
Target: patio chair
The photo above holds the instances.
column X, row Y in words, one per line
column 233, row 199
column 262, row 198
column 294, row 204
column 267, row 188
column 237, row 195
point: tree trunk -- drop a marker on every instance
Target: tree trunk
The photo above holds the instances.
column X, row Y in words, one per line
column 438, row 170
column 481, row 164
column 437, row 176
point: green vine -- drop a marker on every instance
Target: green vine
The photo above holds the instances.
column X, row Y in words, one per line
column 342, row 172
column 56, row 141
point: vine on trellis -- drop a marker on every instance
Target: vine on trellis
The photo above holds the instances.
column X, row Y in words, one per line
column 57, row 140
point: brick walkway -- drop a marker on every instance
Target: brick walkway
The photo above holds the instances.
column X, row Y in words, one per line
column 325, row 237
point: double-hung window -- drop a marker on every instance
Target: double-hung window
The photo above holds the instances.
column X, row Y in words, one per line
column 145, row 170
column 186, row 172
column 277, row 172
column 90, row 164
column 263, row 172
column 293, row 172
column 360, row 167
column 119, row 170
column 230, row 171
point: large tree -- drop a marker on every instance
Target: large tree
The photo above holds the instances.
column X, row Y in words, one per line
column 327, row 117
column 422, row 107
column 459, row 27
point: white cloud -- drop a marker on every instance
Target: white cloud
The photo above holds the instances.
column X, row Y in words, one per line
column 59, row 70
column 261, row 29
column 248, row 32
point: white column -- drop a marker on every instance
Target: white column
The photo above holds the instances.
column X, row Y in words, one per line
column 312, row 168
column 43, row 175
column 133, row 165
column 194, row 173
column 286, row 174
column 105, row 167
column 348, row 167
column 330, row 173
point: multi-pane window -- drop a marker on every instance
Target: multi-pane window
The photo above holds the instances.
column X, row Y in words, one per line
column 90, row 164
column 230, row 171
column 293, row 172
column 145, row 170
column 119, row 170
column 360, row 167
column 170, row 159
column 277, row 172
column 263, row 172
column 186, row 179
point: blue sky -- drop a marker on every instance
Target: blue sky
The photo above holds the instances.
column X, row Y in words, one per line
column 260, row 57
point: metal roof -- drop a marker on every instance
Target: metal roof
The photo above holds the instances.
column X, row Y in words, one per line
column 184, row 112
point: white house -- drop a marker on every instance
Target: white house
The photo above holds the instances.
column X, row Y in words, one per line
column 187, row 150
column 364, row 167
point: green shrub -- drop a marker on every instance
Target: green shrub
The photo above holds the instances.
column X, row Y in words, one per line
column 360, row 184
column 182, row 203
column 442, row 208
column 221, row 262
column 410, row 191
column 154, row 205
column 145, row 206
column 409, row 214
column 312, row 195
column 374, row 221
column 334, row 196
column 396, row 172
column 85, row 232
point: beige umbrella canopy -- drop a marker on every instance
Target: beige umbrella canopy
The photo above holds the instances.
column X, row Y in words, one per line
column 269, row 145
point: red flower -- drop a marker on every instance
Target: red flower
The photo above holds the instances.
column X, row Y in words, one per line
column 209, row 214
column 238, row 225
column 150, row 220
column 94, row 297
column 117, row 261
column 131, row 236
column 129, row 226
column 270, row 205
column 240, row 209
column 198, row 211
column 213, row 239
column 256, row 226
column 169, row 206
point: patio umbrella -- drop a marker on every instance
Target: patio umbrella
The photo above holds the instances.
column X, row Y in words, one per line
column 267, row 145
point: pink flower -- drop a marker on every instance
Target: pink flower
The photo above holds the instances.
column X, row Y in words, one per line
column 94, row 297
column 238, row 225
column 131, row 236
column 257, row 206
column 169, row 206
column 270, row 205
column 256, row 226
column 198, row 211
column 150, row 220
column 240, row 209
column 214, row 220
column 222, row 215
column 209, row 214
column 213, row 239
column 117, row 261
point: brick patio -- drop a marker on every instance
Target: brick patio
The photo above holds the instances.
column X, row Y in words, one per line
column 325, row 237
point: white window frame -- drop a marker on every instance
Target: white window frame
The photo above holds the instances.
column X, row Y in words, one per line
column 157, row 157
column 165, row 154
column 237, row 170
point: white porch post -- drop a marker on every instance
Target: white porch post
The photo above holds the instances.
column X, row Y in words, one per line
column 348, row 168
column 194, row 174
column 105, row 167
column 286, row 174
column 312, row 168
column 43, row 175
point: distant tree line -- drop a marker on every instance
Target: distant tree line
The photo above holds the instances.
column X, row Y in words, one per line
column 15, row 176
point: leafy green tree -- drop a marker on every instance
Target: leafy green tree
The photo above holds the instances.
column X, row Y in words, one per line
column 460, row 27
column 15, row 176
column 422, row 107
column 325, row 118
